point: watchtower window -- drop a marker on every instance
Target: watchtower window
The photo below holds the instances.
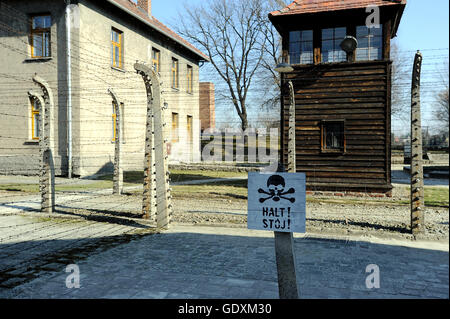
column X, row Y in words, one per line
column 333, row 136
column 301, row 47
column 370, row 43
column 331, row 45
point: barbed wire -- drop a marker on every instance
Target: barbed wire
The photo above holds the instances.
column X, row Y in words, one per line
column 88, row 55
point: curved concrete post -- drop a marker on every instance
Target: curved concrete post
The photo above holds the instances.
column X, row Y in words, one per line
column 155, row 129
column 149, row 198
column 38, row 98
column 40, row 101
column 47, row 173
column 118, row 169
column 291, row 132
column 417, row 190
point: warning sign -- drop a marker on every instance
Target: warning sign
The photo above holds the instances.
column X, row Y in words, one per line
column 277, row 202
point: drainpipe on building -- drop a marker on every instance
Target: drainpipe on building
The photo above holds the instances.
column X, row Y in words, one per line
column 69, row 93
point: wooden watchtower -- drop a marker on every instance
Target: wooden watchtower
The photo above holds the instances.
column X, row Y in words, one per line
column 343, row 100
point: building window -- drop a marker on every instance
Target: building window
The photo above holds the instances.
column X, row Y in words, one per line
column 114, row 129
column 301, row 47
column 156, row 59
column 331, row 45
column 40, row 36
column 175, row 123
column 35, row 121
column 116, row 48
column 189, row 79
column 370, row 43
column 175, row 73
column 333, row 136
column 189, row 129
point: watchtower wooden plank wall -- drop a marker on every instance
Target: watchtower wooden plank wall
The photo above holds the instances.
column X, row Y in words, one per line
column 343, row 106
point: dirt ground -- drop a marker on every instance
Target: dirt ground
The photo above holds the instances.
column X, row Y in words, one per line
column 367, row 217
column 359, row 216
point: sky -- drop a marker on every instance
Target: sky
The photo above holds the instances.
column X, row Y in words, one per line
column 424, row 26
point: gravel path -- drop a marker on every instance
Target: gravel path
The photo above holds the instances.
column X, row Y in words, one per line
column 382, row 217
column 372, row 218
column 33, row 243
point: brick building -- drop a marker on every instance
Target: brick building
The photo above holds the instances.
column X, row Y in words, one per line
column 106, row 39
column 207, row 106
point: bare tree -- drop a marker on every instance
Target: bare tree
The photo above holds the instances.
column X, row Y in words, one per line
column 266, row 119
column 399, row 96
column 269, row 80
column 441, row 113
column 230, row 32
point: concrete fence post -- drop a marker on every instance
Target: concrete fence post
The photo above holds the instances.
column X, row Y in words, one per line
column 43, row 181
column 118, row 169
column 284, row 242
column 47, row 170
column 291, row 130
column 417, row 191
column 155, row 138
column 149, row 198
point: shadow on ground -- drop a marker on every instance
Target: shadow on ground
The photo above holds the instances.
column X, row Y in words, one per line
column 371, row 226
column 100, row 215
column 221, row 264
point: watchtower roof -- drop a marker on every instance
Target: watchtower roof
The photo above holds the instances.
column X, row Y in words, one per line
column 315, row 6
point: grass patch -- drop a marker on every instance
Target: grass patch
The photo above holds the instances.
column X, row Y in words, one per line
column 223, row 189
column 26, row 188
column 81, row 187
column 133, row 178
column 436, row 196
column 34, row 188
column 187, row 175
column 209, row 191
column 433, row 196
column 353, row 201
column 176, row 175
column 240, row 183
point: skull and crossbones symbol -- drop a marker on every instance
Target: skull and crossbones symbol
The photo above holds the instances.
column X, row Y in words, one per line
column 276, row 185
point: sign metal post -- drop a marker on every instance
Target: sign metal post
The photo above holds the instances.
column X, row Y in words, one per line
column 277, row 202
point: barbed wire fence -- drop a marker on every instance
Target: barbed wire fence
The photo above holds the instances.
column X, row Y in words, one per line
column 128, row 148
column 116, row 123
column 98, row 89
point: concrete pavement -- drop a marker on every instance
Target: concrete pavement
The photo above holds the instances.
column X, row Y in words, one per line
column 219, row 262
column 195, row 261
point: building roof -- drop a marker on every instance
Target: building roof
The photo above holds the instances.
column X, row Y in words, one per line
column 131, row 8
column 315, row 6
